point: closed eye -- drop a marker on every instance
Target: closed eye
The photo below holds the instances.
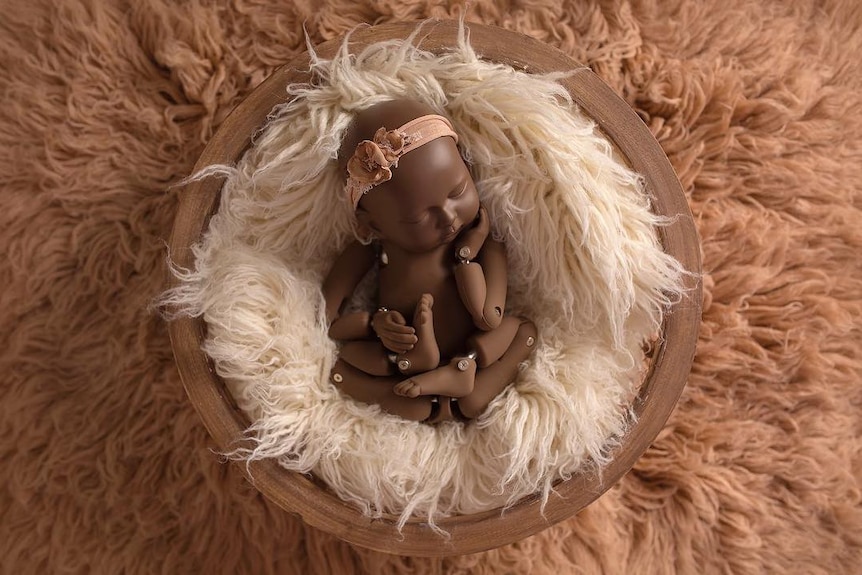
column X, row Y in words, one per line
column 458, row 192
column 417, row 220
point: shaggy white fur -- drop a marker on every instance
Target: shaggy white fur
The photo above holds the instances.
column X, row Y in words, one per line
column 585, row 263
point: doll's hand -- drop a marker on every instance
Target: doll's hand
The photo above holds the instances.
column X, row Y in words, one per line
column 393, row 331
column 471, row 241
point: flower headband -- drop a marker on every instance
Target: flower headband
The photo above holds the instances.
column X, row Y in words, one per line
column 373, row 160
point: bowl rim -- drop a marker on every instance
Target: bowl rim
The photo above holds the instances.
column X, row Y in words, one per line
column 308, row 498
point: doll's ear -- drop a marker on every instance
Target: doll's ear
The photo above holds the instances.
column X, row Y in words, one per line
column 365, row 227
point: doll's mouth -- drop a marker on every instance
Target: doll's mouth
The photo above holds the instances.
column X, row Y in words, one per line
column 451, row 232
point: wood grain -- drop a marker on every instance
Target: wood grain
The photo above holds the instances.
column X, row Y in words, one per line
column 311, row 500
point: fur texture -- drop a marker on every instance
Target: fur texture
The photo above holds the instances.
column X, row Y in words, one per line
column 585, row 266
column 106, row 467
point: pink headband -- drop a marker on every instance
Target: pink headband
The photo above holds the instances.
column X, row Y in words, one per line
column 373, row 160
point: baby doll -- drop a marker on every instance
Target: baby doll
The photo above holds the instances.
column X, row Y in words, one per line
column 413, row 194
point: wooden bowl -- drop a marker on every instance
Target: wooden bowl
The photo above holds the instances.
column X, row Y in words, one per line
column 671, row 362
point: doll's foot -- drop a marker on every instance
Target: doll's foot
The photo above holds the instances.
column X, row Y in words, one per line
column 455, row 379
column 425, row 354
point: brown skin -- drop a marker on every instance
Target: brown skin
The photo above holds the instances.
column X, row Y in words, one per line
column 457, row 344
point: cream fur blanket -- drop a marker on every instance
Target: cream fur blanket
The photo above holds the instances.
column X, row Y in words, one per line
column 106, row 467
column 585, row 266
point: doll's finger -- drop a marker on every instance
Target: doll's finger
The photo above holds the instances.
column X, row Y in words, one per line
column 396, row 346
column 396, row 329
column 402, row 338
column 482, row 219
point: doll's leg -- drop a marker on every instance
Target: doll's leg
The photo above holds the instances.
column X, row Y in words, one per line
column 368, row 356
column 425, row 354
column 492, row 380
column 491, row 345
column 378, row 390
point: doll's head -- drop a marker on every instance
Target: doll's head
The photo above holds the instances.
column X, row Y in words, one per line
column 406, row 177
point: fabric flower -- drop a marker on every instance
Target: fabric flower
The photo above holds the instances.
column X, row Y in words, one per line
column 391, row 143
column 373, row 161
column 369, row 165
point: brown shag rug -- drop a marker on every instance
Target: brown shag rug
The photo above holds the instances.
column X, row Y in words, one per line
column 105, row 466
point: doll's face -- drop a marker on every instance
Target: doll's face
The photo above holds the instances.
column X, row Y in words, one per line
column 429, row 200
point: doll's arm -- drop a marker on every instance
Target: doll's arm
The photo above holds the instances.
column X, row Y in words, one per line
column 482, row 285
column 346, row 273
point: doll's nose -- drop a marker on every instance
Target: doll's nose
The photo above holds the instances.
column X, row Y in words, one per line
column 448, row 214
